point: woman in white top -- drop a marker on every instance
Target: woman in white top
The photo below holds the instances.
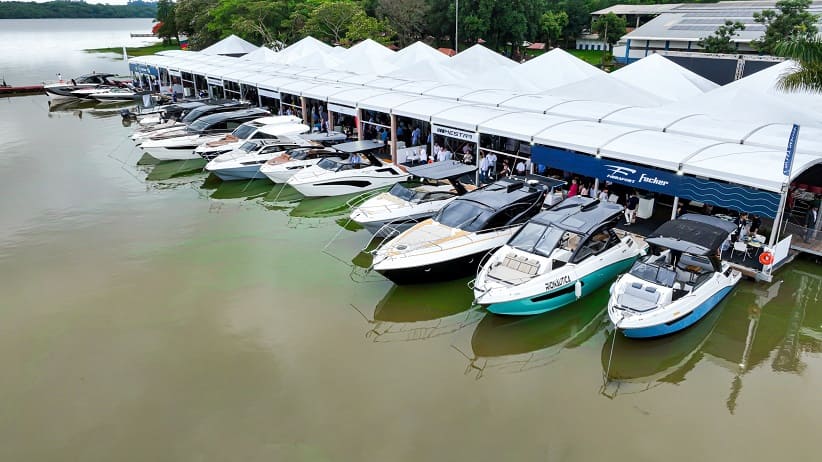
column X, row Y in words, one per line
column 423, row 156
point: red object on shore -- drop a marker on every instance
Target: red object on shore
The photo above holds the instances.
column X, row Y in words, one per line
column 19, row 90
column 156, row 27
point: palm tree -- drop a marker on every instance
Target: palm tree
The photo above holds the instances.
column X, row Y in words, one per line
column 806, row 74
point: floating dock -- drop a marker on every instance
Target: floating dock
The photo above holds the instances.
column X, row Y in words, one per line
column 24, row 90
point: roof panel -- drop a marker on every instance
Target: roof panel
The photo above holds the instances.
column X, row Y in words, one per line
column 466, row 117
column 489, row 97
column 580, row 135
column 657, row 149
column 424, row 108
column 386, row 101
column 520, row 125
column 355, row 95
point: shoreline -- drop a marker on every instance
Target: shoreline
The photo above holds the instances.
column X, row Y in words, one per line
column 135, row 51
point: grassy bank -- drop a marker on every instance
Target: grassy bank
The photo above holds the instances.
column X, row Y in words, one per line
column 135, row 51
column 590, row 56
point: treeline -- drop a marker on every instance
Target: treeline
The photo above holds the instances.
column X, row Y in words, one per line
column 500, row 23
column 31, row 10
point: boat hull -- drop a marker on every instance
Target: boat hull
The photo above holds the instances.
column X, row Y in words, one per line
column 557, row 298
column 344, row 186
column 176, row 153
column 683, row 322
column 250, row 172
column 436, row 272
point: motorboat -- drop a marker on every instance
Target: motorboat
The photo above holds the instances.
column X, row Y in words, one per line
column 64, row 88
column 209, row 128
column 326, row 138
column 681, row 279
column 244, row 162
column 340, row 177
column 166, row 113
column 86, row 92
column 281, row 168
column 559, row 256
column 171, row 125
column 271, row 128
column 403, row 206
column 451, row 243
column 116, row 94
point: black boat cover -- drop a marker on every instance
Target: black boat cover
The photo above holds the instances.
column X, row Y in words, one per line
column 579, row 214
column 692, row 233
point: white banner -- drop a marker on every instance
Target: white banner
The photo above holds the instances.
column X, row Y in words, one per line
column 175, row 73
column 342, row 109
column 268, row 93
column 213, row 81
column 454, row 133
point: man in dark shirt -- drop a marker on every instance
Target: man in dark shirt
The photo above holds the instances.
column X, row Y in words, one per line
column 630, row 208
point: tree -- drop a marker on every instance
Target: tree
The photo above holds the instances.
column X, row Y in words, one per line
column 579, row 17
column 406, row 16
column 720, row 40
column 551, row 25
column 331, row 21
column 192, row 18
column 166, row 17
column 260, row 20
column 790, row 19
column 610, row 27
column 806, row 75
column 363, row 27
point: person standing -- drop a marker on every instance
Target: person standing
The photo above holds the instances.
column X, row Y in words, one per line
column 492, row 165
column 423, row 155
column 484, row 169
column 520, row 167
column 810, row 222
column 630, row 208
column 355, row 160
column 603, row 195
column 574, row 189
column 415, row 136
column 584, row 191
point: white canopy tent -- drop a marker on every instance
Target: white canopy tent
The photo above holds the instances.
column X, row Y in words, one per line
column 664, row 78
column 424, row 108
column 488, row 97
column 261, row 55
column 504, row 77
column 466, row 117
column 368, row 57
column 659, row 149
column 302, row 49
column 477, row 60
column 429, row 71
column 231, row 45
column 556, row 68
column 606, row 88
column 520, row 125
column 415, row 53
column 385, row 102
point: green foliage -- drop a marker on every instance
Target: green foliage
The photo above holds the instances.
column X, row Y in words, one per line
column 806, row 75
column 30, row 10
column 364, row 26
column 551, row 25
column 331, row 21
column 192, row 18
column 721, row 40
column 610, row 27
column 166, row 16
column 407, row 17
column 789, row 19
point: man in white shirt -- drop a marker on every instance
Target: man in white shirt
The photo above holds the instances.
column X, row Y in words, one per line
column 492, row 164
column 483, row 168
column 520, row 168
column 447, row 154
column 423, row 155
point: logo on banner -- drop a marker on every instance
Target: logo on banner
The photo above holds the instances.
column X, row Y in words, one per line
column 628, row 175
column 454, row 133
column 788, row 164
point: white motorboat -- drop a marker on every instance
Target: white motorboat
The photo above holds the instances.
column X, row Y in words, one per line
column 451, row 244
column 205, row 129
column 116, row 94
column 681, row 280
column 175, row 127
column 270, row 128
column 281, row 168
column 64, row 89
column 170, row 113
column 559, row 256
column 244, row 162
column 403, row 206
column 336, row 178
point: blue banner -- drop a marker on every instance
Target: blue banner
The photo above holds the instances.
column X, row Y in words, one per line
column 719, row 193
column 143, row 69
column 788, row 164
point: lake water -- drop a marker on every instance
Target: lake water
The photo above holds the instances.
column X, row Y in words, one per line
column 150, row 313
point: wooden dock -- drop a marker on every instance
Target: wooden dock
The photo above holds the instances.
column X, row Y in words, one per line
column 22, row 90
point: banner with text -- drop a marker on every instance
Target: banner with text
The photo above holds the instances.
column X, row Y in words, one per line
column 455, row 133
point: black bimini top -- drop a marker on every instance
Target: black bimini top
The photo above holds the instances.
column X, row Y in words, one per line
column 579, row 214
column 505, row 192
column 233, row 115
column 692, row 233
column 443, row 170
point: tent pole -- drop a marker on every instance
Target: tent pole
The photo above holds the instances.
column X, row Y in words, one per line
column 676, row 206
column 394, row 139
column 777, row 222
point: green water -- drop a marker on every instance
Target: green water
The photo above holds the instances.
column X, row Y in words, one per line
column 152, row 313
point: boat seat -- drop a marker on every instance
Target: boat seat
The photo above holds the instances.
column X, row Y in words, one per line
column 514, row 269
column 639, row 298
column 689, row 262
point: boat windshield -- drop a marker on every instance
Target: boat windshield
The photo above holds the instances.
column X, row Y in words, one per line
column 198, row 126
column 661, row 275
column 466, row 215
column 248, row 146
column 330, row 165
column 195, row 114
column 539, row 239
column 243, row 132
column 299, row 154
column 402, row 192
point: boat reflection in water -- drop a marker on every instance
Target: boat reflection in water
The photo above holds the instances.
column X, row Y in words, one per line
column 760, row 325
column 245, row 190
column 83, row 107
column 166, row 170
column 421, row 312
column 515, row 344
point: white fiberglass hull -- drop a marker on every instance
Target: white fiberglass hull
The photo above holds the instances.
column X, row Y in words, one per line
column 385, row 209
column 179, row 148
column 317, row 182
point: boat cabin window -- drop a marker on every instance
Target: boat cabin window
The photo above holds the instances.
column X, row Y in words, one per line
column 466, row 215
column 537, row 238
column 662, row 275
column 249, row 146
column 243, row 131
column 402, row 192
column 232, row 124
column 328, row 164
column 600, row 241
column 270, row 149
column 436, row 196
